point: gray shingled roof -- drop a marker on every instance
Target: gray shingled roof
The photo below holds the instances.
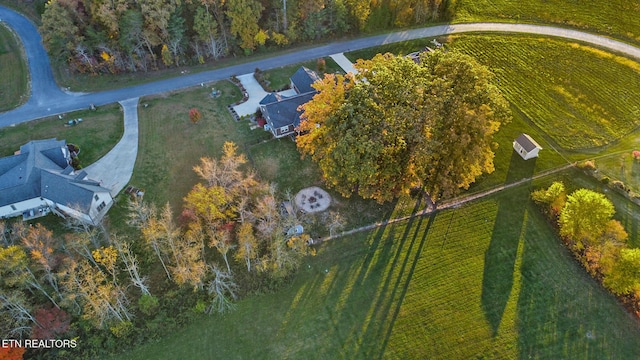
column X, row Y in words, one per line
column 303, row 78
column 271, row 98
column 527, row 143
column 69, row 191
column 42, row 169
column 285, row 112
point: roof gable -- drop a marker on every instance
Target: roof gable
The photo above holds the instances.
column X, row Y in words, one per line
column 285, row 112
column 303, row 79
column 13, row 171
column 271, row 98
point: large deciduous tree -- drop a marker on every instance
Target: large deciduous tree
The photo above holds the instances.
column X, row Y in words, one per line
column 244, row 15
column 585, row 216
column 398, row 124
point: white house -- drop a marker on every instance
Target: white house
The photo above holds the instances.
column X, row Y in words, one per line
column 526, row 147
column 39, row 179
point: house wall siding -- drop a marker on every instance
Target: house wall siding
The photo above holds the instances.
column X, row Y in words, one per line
column 7, row 211
column 102, row 197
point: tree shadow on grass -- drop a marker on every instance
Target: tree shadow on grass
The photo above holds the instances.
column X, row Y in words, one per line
column 562, row 312
column 364, row 304
column 500, row 258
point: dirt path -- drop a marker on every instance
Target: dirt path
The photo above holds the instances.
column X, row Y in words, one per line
column 447, row 204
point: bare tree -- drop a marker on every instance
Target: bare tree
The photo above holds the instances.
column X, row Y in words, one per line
column 130, row 264
column 222, row 289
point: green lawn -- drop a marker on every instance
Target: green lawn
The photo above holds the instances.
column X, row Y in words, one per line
column 170, row 145
column 486, row 280
column 279, row 78
column 615, row 17
column 580, row 96
column 13, row 71
column 98, row 133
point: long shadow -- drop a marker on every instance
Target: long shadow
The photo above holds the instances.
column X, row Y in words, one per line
column 384, row 256
column 500, row 258
column 403, row 281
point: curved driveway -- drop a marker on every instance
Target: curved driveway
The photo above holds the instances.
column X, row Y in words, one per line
column 47, row 99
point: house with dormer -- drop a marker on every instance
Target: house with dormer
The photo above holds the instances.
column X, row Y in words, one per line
column 39, row 179
column 281, row 113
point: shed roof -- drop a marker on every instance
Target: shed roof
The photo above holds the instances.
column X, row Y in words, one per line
column 527, row 143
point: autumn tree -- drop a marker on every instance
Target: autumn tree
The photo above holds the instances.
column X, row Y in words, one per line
column 554, row 197
column 16, row 318
column 103, row 302
column 195, row 115
column 12, row 353
column 52, row 322
column 624, row 276
column 40, row 243
column 585, row 216
column 398, row 125
column 247, row 245
column 244, row 16
column 16, row 272
column 60, row 33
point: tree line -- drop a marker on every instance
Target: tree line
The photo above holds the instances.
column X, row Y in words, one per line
column 585, row 222
column 113, row 36
column 95, row 284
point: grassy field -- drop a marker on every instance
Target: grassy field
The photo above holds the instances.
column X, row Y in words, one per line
column 98, row 133
column 581, row 97
column 486, row 280
column 13, row 71
column 616, row 17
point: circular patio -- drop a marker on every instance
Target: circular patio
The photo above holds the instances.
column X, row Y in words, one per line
column 313, row 199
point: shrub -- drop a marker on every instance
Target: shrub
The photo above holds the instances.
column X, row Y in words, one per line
column 200, row 307
column 121, row 329
column 148, row 304
column 587, row 165
column 322, row 65
column 605, row 180
column 195, row 115
column 636, row 154
column 619, row 185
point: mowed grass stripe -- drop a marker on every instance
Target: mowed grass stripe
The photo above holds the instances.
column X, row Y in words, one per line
column 487, row 280
column 618, row 17
column 580, row 96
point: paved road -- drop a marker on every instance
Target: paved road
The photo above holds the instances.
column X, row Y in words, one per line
column 43, row 87
column 47, row 99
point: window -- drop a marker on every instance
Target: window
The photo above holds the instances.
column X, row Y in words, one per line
column 96, row 197
column 101, row 206
column 13, row 207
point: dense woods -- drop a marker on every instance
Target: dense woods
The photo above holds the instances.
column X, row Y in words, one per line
column 127, row 36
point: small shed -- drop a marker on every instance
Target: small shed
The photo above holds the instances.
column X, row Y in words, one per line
column 526, row 147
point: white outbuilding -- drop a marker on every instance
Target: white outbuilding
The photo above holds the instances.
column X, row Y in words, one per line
column 526, row 147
